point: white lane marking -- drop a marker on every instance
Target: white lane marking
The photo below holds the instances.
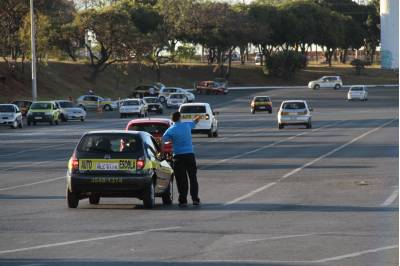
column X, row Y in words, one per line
column 252, row 193
column 391, row 198
column 32, row 164
column 355, row 254
column 266, row 146
column 87, row 240
column 273, row 238
column 32, row 264
column 32, row 184
column 35, row 149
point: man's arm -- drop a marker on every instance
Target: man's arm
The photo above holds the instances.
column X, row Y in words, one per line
column 196, row 119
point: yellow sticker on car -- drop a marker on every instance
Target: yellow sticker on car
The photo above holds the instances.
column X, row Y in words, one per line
column 107, row 165
column 188, row 116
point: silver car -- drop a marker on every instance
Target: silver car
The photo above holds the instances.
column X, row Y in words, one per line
column 294, row 112
column 70, row 111
column 10, row 115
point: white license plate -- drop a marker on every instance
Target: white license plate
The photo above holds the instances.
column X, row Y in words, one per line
column 262, row 107
column 154, row 109
column 38, row 118
column 107, row 166
column 292, row 113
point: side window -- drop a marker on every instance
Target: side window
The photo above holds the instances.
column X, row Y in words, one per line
column 86, row 98
column 151, row 149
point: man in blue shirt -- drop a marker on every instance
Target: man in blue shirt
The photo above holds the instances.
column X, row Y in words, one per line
column 184, row 162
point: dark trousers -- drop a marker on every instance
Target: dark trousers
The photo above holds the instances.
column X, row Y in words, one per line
column 185, row 166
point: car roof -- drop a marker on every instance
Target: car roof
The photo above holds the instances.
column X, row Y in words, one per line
column 357, row 86
column 195, row 104
column 7, row 104
column 294, row 101
column 105, row 132
column 44, row 102
column 63, row 101
column 150, row 121
column 150, row 97
column 177, row 93
column 131, row 99
column 261, row 96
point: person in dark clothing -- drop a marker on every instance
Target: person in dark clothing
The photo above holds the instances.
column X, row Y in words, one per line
column 184, row 162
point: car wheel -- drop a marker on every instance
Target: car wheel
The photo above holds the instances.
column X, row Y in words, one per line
column 308, row 125
column 34, row 123
column 63, row 118
column 15, row 124
column 162, row 99
column 51, row 122
column 56, row 121
column 107, row 107
column 316, row 87
column 168, row 196
column 94, row 199
column 149, row 197
column 121, row 116
column 210, row 133
column 215, row 134
column 160, row 111
column 270, row 111
column 21, row 124
column 280, row 126
column 253, row 111
column 82, row 119
column 337, row 86
column 72, row 199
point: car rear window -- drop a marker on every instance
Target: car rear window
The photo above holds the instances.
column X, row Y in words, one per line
column 130, row 103
column 294, row 105
column 356, row 89
column 177, row 96
column 151, row 100
column 110, row 143
column 6, row 109
column 193, row 109
column 157, row 130
column 262, row 99
column 41, row 106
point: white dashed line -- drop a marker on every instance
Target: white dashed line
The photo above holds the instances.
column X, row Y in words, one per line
column 391, row 198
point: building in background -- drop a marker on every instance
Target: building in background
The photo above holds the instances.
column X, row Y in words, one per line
column 389, row 10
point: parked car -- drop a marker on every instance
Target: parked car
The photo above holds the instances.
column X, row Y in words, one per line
column 208, row 123
column 165, row 92
column 334, row 82
column 10, row 115
column 116, row 163
column 176, row 99
column 147, row 90
column 257, row 59
column 210, row 87
column 133, row 107
column 359, row 92
column 43, row 111
column 294, row 112
column 156, row 127
column 23, row 106
column 70, row 111
column 153, row 104
column 94, row 101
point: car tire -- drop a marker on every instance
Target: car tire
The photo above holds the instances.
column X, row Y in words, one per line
column 56, row 121
column 63, row 119
column 215, row 134
column 210, row 133
column 168, row 196
column 121, row 116
column 21, row 124
column 107, row 107
column 309, row 125
column 14, row 125
column 82, row 119
column 149, row 199
column 337, row 86
column 160, row 111
column 280, row 126
column 72, row 199
column 34, row 123
column 270, row 111
column 253, row 111
column 316, row 87
column 94, row 199
column 51, row 122
column 162, row 99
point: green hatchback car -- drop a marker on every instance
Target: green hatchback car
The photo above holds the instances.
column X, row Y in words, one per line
column 43, row 111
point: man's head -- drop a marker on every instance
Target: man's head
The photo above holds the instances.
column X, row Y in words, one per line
column 176, row 117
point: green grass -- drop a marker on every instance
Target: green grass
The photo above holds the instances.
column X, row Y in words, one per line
column 59, row 80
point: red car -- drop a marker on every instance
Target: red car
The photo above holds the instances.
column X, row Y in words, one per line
column 156, row 127
column 211, row 87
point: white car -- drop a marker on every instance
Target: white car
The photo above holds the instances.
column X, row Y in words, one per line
column 208, row 123
column 95, row 101
column 153, row 104
column 166, row 91
column 294, row 112
column 359, row 92
column 70, row 111
column 10, row 115
column 133, row 107
column 176, row 99
column 334, row 82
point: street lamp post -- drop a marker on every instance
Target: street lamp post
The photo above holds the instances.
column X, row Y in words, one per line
column 33, row 53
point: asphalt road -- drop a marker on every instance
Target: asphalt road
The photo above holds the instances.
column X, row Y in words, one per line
column 321, row 196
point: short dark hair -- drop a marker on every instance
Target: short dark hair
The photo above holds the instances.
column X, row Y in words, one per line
column 176, row 116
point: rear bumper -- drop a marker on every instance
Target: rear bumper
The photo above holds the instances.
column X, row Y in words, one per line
column 40, row 118
column 108, row 185
column 263, row 108
column 297, row 120
column 7, row 122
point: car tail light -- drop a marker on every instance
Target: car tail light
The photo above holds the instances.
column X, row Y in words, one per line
column 207, row 117
column 140, row 162
column 284, row 113
column 73, row 164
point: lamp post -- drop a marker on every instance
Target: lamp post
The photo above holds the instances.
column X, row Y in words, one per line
column 33, row 53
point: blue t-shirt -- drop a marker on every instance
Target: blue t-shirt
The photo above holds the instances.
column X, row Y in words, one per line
column 181, row 136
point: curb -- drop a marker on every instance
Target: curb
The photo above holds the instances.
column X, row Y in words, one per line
column 302, row 87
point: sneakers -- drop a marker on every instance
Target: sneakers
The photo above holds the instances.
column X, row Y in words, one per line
column 182, row 205
column 196, row 202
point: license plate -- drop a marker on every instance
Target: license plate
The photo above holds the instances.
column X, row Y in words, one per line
column 154, row 109
column 262, row 107
column 292, row 113
column 106, row 180
column 38, row 117
column 192, row 116
column 107, row 165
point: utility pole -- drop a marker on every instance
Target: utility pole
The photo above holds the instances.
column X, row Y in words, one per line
column 33, row 53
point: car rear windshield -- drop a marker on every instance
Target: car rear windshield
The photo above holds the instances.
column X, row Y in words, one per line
column 294, row 105
column 130, row 103
column 151, row 100
column 157, row 130
column 177, row 96
column 356, row 89
column 41, row 106
column 66, row 104
column 6, row 109
column 262, row 99
column 110, row 144
column 193, row 109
